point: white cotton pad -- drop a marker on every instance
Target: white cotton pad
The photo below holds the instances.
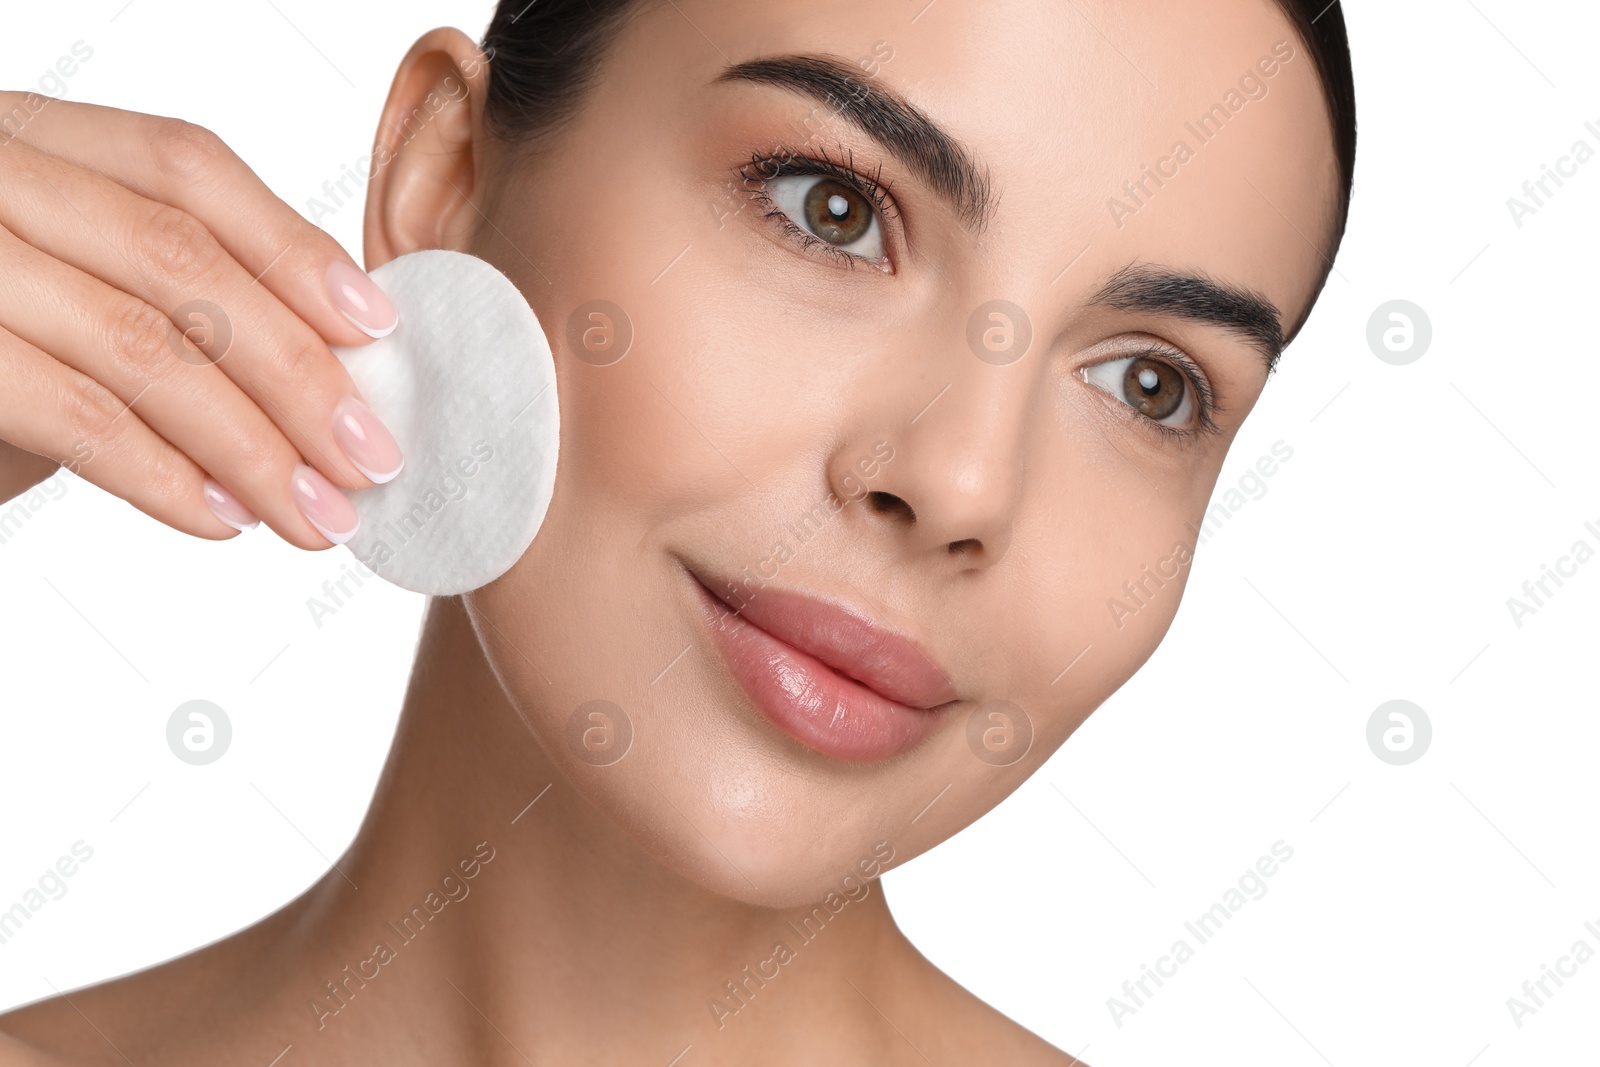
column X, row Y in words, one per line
column 467, row 385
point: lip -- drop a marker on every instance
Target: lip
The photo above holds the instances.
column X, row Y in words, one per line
column 828, row 676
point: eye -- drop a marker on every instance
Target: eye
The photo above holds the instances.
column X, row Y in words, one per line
column 1155, row 388
column 828, row 208
column 831, row 210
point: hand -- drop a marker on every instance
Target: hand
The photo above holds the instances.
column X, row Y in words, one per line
column 165, row 323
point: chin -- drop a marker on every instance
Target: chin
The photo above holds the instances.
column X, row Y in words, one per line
column 740, row 824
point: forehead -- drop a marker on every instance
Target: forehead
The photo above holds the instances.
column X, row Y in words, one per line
column 1164, row 130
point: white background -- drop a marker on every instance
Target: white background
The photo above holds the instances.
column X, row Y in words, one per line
column 1376, row 566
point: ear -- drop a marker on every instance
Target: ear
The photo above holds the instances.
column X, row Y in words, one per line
column 426, row 162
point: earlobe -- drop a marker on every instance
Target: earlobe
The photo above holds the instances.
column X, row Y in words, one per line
column 426, row 171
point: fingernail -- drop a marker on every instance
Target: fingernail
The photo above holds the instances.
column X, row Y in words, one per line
column 329, row 510
column 366, row 441
column 361, row 301
column 225, row 506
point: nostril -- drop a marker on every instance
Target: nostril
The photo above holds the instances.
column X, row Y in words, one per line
column 964, row 546
column 889, row 503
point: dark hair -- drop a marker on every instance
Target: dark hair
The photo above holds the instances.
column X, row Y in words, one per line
column 544, row 55
column 1324, row 34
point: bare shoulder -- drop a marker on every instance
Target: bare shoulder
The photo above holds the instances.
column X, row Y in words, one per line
column 18, row 1053
column 161, row 1013
column 62, row 1029
column 134, row 1018
column 972, row 1031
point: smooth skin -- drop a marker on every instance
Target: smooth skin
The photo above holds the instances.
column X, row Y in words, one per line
column 1019, row 499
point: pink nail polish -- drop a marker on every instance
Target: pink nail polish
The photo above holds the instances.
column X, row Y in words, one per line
column 360, row 299
column 323, row 505
column 225, row 506
column 366, row 441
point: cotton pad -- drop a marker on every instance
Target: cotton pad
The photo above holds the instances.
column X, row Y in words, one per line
column 466, row 383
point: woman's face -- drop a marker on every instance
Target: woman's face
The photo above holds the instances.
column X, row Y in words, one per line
column 820, row 396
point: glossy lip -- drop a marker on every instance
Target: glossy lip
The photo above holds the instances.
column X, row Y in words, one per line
column 827, row 676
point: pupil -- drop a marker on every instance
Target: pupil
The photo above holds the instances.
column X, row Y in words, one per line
column 837, row 213
column 1155, row 389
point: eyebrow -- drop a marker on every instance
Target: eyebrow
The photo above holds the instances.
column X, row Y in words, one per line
column 1161, row 290
column 927, row 149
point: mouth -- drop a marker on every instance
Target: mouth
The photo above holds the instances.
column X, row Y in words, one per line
column 827, row 676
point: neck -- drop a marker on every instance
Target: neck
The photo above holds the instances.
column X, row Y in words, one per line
column 484, row 895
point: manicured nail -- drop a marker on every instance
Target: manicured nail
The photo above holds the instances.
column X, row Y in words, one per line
column 361, row 301
column 225, row 506
column 365, row 440
column 329, row 510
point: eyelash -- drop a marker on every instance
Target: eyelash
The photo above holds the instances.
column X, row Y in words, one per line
column 1207, row 402
column 781, row 163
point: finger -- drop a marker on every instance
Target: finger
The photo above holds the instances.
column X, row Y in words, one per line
column 133, row 350
column 55, row 411
column 189, row 167
column 167, row 259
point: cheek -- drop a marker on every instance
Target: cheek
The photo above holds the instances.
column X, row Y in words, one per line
column 1145, row 555
column 1094, row 586
column 696, row 404
column 1093, row 580
column 1056, row 673
column 689, row 422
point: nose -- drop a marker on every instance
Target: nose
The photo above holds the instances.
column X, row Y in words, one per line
column 952, row 484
